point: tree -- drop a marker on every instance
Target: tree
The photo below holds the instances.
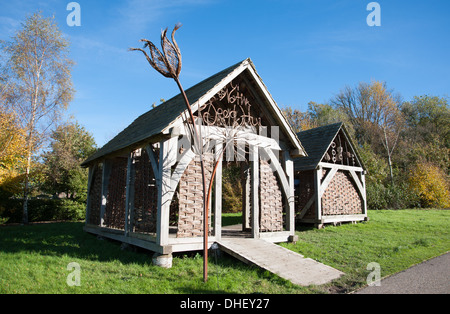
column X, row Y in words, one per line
column 39, row 78
column 317, row 115
column 428, row 115
column 12, row 152
column 71, row 144
column 375, row 115
column 12, row 145
column 299, row 121
column 427, row 131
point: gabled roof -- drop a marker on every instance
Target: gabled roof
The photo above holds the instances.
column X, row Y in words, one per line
column 316, row 143
column 159, row 120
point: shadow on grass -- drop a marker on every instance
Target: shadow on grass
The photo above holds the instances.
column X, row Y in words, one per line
column 304, row 227
column 66, row 238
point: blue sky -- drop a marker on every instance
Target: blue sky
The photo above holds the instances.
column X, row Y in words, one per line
column 305, row 50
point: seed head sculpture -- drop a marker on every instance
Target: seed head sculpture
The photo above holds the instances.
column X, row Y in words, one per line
column 168, row 63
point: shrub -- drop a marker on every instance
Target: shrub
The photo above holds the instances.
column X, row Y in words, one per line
column 431, row 185
column 72, row 210
column 376, row 196
column 41, row 210
column 398, row 196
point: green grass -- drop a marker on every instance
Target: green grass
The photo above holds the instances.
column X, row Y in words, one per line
column 395, row 239
column 229, row 219
column 34, row 258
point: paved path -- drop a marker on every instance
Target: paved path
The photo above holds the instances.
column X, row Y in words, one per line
column 430, row 277
column 279, row 260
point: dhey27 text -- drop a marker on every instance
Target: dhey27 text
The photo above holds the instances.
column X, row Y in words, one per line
column 234, row 303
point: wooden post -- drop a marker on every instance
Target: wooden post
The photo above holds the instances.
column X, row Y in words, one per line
column 290, row 211
column 364, row 196
column 92, row 170
column 246, row 199
column 218, row 192
column 317, row 185
column 153, row 160
column 167, row 157
column 129, row 199
column 255, row 191
column 105, row 182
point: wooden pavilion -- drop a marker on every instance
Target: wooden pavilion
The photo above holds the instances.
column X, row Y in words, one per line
column 330, row 180
column 145, row 184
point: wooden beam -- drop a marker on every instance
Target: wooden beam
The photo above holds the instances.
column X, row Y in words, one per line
column 296, row 152
column 307, row 206
column 363, row 181
column 92, row 170
column 276, row 167
column 317, row 185
column 118, row 236
column 255, row 191
column 290, row 211
column 327, row 180
column 218, row 192
column 349, row 141
column 342, row 218
column 246, row 200
column 319, row 188
column 106, row 173
column 339, row 167
column 154, row 162
column 275, row 237
column 358, row 182
column 361, row 185
column 174, row 179
column 167, row 157
column 129, row 198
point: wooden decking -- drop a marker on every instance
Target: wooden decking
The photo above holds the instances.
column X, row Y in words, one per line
column 279, row 260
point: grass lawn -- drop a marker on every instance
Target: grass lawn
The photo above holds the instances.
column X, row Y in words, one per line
column 34, row 258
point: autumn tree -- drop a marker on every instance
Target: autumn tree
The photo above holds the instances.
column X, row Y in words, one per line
column 40, row 82
column 315, row 116
column 374, row 112
column 299, row 121
column 430, row 183
column 12, row 146
column 12, row 140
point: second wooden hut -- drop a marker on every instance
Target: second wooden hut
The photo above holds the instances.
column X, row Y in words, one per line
column 330, row 184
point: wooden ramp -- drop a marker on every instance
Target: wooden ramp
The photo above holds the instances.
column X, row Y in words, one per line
column 279, row 260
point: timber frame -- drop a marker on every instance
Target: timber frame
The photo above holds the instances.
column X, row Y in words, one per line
column 146, row 177
column 331, row 180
